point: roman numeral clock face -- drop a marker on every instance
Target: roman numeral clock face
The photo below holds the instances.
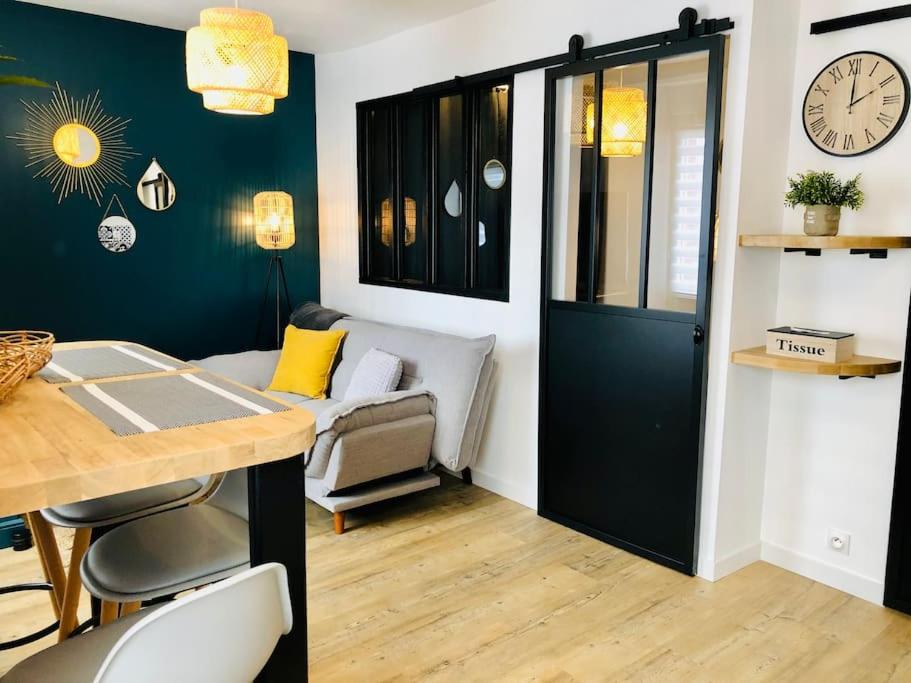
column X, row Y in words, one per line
column 855, row 104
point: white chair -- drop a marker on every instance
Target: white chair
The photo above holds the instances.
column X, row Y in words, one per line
column 224, row 633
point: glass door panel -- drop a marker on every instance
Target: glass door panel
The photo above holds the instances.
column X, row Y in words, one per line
column 493, row 170
column 627, row 202
column 415, row 174
column 379, row 191
column 572, row 192
column 677, row 178
column 451, row 165
column 621, row 184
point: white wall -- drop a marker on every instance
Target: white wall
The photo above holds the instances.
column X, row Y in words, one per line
column 739, row 422
column 831, row 444
column 491, row 36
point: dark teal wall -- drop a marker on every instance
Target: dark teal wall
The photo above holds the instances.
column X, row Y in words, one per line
column 193, row 283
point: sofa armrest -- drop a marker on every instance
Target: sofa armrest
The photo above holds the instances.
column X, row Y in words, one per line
column 351, row 416
column 363, row 455
column 252, row 368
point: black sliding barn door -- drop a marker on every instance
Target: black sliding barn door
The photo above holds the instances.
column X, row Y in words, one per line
column 631, row 166
column 898, row 561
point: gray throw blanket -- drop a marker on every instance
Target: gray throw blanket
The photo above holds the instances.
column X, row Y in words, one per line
column 311, row 316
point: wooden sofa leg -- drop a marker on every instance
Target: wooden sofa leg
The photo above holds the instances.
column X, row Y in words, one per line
column 338, row 520
column 466, row 476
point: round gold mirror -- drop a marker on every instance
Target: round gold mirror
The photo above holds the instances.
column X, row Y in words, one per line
column 76, row 145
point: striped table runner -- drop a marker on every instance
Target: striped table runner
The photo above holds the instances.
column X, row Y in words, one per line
column 100, row 362
column 150, row 404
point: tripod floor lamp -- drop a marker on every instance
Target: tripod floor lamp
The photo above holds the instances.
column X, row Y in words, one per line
column 273, row 215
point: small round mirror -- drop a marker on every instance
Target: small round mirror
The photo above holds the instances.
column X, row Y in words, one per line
column 76, row 145
column 155, row 188
column 494, row 174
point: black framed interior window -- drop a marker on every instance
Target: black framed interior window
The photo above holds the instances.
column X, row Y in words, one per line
column 434, row 186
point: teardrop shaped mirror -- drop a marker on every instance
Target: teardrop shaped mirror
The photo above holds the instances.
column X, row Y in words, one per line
column 155, row 189
column 452, row 202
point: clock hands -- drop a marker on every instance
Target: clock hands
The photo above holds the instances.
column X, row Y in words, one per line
column 853, row 88
column 861, row 98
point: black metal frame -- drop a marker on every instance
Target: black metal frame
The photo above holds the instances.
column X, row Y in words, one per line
column 471, row 176
column 281, row 285
column 278, row 534
column 37, row 635
column 685, row 42
column 861, row 19
column 896, row 595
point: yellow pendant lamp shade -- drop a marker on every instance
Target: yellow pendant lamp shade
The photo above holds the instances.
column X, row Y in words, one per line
column 236, row 61
column 623, row 122
column 273, row 215
column 387, row 225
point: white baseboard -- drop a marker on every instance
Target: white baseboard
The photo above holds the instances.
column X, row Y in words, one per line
column 506, row 489
column 823, row 572
column 736, row 560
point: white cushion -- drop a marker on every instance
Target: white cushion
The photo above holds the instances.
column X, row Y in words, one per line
column 376, row 374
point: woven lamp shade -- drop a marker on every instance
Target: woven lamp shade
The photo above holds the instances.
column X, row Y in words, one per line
column 623, row 122
column 387, row 225
column 273, row 215
column 236, row 61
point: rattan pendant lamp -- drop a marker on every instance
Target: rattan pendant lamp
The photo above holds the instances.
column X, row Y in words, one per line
column 624, row 116
column 235, row 60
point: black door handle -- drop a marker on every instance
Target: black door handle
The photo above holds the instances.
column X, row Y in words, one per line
column 698, row 334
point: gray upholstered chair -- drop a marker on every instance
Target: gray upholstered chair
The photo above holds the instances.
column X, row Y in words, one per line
column 224, row 633
column 172, row 551
column 110, row 511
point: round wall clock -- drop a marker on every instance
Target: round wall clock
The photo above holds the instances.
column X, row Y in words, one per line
column 856, row 104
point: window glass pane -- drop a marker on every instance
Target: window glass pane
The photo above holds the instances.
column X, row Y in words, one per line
column 622, row 158
column 572, row 192
column 451, row 244
column 415, row 216
column 676, row 210
column 380, row 192
column 493, row 175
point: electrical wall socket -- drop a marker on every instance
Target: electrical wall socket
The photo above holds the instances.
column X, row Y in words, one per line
column 839, row 541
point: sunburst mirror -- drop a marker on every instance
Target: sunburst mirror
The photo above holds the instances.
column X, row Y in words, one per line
column 74, row 144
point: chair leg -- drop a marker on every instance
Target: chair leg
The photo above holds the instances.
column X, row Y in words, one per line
column 50, row 558
column 128, row 608
column 109, row 612
column 69, row 613
column 338, row 520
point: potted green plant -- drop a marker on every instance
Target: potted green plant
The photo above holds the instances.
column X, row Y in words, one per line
column 7, row 79
column 822, row 195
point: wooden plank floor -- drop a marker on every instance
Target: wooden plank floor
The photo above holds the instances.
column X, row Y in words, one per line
column 458, row 584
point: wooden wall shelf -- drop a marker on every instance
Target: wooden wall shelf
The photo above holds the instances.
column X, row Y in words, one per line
column 874, row 246
column 856, row 366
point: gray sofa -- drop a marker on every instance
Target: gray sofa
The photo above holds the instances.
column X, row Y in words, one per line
column 368, row 450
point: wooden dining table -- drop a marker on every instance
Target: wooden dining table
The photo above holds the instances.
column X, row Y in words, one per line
column 53, row 451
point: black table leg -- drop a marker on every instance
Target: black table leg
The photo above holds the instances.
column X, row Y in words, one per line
column 277, row 534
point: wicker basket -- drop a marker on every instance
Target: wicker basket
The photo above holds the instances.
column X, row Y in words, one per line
column 36, row 345
column 14, row 369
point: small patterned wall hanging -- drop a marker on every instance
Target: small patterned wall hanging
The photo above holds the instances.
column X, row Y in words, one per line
column 116, row 233
column 74, row 144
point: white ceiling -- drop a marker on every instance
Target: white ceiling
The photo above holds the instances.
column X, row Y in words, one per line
column 309, row 25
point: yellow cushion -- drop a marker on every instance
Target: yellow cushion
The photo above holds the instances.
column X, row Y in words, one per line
column 306, row 361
